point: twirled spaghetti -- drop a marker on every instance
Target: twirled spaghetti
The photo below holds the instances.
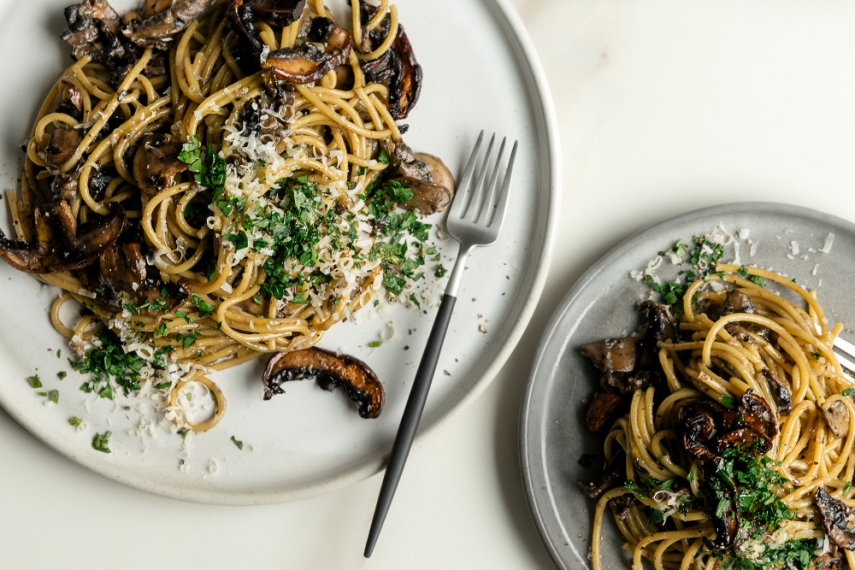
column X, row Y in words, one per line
column 249, row 197
column 738, row 442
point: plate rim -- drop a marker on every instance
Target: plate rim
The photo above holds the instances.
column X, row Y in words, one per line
column 549, row 177
column 550, row 334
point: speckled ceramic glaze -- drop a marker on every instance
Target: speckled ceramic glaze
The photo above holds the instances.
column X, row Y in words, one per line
column 603, row 304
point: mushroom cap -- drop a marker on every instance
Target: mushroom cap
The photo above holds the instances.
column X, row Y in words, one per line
column 156, row 163
column 157, row 30
column 309, row 63
column 330, row 370
column 837, row 518
column 603, row 409
column 62, row 145
column 60, row 245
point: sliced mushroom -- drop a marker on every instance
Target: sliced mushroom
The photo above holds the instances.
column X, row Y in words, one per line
column 94, row 31
column 756, row 413
column 660, row 326
column 156, row 31
column 124, row 273
column 152, row 7
column 280, row 12
column 87, row 21
column 740, row 333
column 745, row 439
column 622, row 506
column 603, row 409
column 72, row 102
column 737, row 302
column 697, row 427
column 61, row 147
column 426, row 175
column 397, row 67
column 156, row 163
column 331, row 370
column 836, row 415
column 608, row 478
column 308, row 63
column 612, row 354
column 61, row 245
column 780, row 392
column 837, row 518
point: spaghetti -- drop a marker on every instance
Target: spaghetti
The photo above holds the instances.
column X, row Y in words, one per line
column 256, row 209
column 740, row 441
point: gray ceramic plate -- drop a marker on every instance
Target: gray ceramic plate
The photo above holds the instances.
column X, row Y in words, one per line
column 602, row 304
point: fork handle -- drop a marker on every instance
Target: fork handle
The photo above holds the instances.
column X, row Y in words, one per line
column 410, row 419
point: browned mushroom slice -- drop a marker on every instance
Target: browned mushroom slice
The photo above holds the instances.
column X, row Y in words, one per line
column 86, row 21
column 123, row 270
column 697, row 426
column 780, row 392
column 426, row 175
column 747, row 440
column 331, row 370
column 608, row 478
column 660, row 326
column 152, row 7
column 617, row 359
column 603, row 409
column 156, row 163
column 157, row 30
column 836, row 415
column 280, row 12
column 62, row 145
column 397, row 67
column 60, row 245
column 71, row 102
column 737, row 302
column 757, row 414
column 837, row 518
column 309, row 63
column 622, row 506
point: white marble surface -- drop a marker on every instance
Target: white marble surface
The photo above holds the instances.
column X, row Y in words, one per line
column 664, row 106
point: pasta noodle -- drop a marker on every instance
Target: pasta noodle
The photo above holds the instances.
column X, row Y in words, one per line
column 677, row 508
column 226, row 281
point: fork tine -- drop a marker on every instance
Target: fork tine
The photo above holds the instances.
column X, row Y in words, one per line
column 464, row 182
column 502, row 199
column 490, row 193
column 471, row 208
column 845, row 346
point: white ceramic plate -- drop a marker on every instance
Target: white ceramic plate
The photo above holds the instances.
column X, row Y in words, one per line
column 480, row 73
column 603, row 304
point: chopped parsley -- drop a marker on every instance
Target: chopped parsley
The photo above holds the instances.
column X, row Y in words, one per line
column 848, row 391
column 205, row 308
column 655, row 517
column 109, row 362
column 238, row 443
column 75, row 421
column 34, row 381
column 101, row 442
column 757, row 280
column 209, row 167
column 375, row 344
column 61, row 374
column 53, row 396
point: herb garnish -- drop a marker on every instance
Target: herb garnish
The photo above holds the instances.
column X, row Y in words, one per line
column 34, row 381
column 101, row 442
column 109, row 361
column 238, row 443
